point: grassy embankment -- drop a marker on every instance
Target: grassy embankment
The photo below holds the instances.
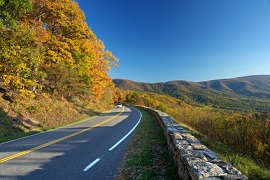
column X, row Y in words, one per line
column 30, row 116
column 147, row 156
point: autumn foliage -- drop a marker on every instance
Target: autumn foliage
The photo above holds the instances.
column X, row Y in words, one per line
column 248, row 133
column 47, row 47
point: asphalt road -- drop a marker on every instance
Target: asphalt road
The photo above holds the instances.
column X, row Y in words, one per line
column 92, row 149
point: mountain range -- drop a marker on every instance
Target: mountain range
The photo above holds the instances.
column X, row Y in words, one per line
column 234, row 93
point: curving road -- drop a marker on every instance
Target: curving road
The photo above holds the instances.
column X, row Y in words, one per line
column 92, row 149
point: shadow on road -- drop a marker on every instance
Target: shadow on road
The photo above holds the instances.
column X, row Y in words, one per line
column 69, row 156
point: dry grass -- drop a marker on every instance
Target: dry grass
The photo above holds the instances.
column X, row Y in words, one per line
column 25, row 116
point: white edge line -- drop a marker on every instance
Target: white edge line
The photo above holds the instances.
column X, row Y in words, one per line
column 91, row 165
column 114, row 146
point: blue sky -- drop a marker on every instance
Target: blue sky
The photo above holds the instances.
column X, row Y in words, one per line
column 193, row 40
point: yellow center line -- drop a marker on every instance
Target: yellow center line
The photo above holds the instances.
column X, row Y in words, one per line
column 57, row 140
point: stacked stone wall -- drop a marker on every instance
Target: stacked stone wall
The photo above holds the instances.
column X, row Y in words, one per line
column 194, row 160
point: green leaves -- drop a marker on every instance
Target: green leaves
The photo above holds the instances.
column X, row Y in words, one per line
column 12, row 10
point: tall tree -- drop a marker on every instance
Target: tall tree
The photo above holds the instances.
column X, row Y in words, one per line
column 72, row 49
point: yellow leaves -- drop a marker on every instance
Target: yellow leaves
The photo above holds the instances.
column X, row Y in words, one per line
column 19, row 83
column 14, row 81
column 63, row 17
column 234, row 117
column 110, row 58
column 52, row 55
column 101, row 80
column 6, row 79
column 54, row 50
column 20, row 60
column 261, row 149
column 26, row 93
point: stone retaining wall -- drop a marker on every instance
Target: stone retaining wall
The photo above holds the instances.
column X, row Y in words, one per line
column 194, row 160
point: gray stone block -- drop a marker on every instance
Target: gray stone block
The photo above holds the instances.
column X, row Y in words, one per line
column 206, row 170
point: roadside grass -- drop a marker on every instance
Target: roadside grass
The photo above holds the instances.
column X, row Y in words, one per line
column 31, row 116
column 11, row 133
column 244, row 163
column 147, row 156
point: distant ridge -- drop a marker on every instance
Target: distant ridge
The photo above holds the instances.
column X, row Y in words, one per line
column 257, row 85
column 222, row 93
column 252, row 86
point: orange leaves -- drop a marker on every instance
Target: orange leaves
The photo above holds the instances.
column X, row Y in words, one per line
column 52, row 49
column 63, row 18
column 76, row 45
column 101, row 81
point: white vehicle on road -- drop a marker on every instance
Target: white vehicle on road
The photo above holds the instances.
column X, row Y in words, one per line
column 119, row 105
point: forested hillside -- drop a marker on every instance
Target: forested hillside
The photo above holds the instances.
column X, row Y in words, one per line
column 241, row 122
column 250, row 93
column 50, row 62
